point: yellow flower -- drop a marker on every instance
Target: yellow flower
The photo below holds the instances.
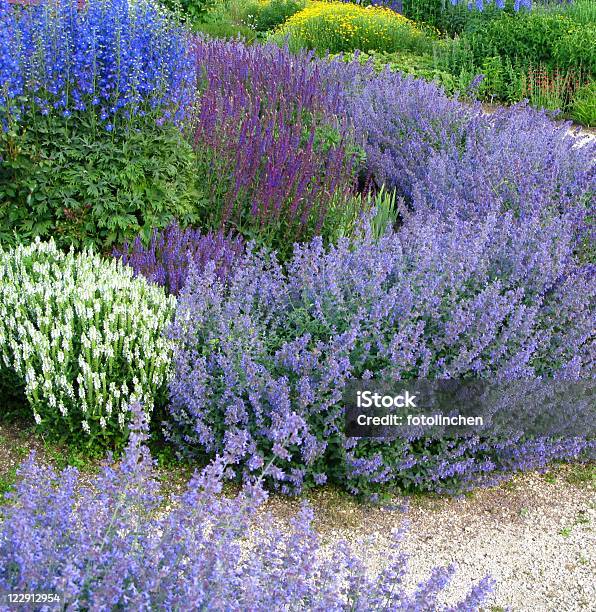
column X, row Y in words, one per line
column 345, row 25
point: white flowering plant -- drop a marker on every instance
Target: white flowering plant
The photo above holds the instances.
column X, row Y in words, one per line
column 84, row 338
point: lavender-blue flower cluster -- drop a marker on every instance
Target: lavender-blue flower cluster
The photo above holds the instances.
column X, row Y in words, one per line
column 443, row 155
column 111, row 543
column 268, row 357
column 108, row 57
column 170, row 254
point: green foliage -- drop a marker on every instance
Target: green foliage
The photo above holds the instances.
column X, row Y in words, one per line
column 544, row 56
column 531, row 38
column 502, row 81
column 451, row 19
column 580, row 11
column 194, row 10
column 226, row 30
column 226, row 19
column 345, row 220
column 85, row 338
column 7, row 481
column 386, row 211
column 263, row 16
column 84, row 186
column 421, row 66
column 576, row 48
column 583, row 105
column 438, row 13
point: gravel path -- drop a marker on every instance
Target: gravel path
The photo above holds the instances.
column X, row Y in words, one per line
column 534, row 536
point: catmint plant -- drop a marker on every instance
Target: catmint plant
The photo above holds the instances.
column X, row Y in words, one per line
column 111, row 542
column 443, row 155
column 268, row 358
column 84, row 339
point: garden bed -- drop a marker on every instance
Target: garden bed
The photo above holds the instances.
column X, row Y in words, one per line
column 310, row 272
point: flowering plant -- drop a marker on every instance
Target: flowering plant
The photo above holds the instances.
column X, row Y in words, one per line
column 113, row 58
column 174, row 252
column 268, row 357
column 337, row 27
column 83, row 337
column 272, row 152
column 111, row 543
column 443, row 155
column 90, row 93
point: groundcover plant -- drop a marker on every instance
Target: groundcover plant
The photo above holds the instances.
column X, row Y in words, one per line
column 213, row 241
column 111, row 543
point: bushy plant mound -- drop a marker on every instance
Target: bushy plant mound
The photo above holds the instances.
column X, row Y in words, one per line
column 84, row 186
column 337, row 27
column 195, row 10
column 272, row 151
column 544, row 56
column 170, row 255
column 420, row 66
column 110, row 59
column 583, row 108
column 110, row 543
column 265, row 15
column 83, row 338
column 441, row 154
column 553, row 39
column 269, row 356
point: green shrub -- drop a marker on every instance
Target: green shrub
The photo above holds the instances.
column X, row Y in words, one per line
column 227, row 19
column 422, row 66
column 502, row 81
column 84, row 338
column 265, row 15
column 438, row 13
column 85, row 186
column 195, row 10
column 339, row 27
column 453, row 19
column 580, row 11
column 577, row 48
column 531, row 37
column 226, row 29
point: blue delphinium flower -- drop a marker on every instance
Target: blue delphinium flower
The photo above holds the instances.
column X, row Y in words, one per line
column 113, row 54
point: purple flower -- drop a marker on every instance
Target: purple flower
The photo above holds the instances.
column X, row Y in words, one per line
column 109, row 542
column 445, row 297
column 262, row 121
column 174, row 253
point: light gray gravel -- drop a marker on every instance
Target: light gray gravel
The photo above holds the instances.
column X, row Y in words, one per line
column 535, row 536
